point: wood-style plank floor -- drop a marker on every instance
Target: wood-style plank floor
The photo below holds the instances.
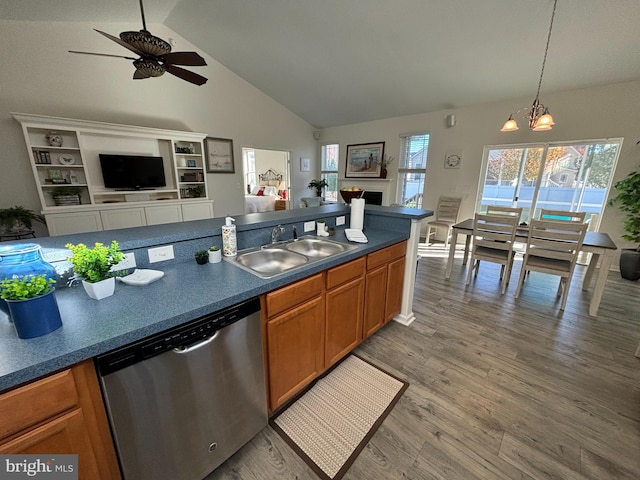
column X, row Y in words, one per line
column 501, row 388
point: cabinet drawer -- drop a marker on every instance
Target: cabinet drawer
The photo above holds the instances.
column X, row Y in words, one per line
column 343, row 273
column 290, row 296
column 385, row 255
column 26, row 406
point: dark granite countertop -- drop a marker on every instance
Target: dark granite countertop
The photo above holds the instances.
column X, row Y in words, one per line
column 186, row 292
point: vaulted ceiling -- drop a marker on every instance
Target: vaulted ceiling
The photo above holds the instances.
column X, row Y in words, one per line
column 335, row 62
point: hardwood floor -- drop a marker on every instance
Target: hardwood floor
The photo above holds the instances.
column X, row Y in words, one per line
column 501, row 388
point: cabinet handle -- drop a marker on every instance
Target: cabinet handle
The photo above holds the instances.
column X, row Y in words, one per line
column 195, row 346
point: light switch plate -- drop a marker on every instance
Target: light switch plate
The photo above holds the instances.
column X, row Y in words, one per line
column 160, row 254
column 309, row 226
column 340, row 220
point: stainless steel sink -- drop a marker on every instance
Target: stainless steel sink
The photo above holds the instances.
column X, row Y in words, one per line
column 317, row 247
column 271, row 260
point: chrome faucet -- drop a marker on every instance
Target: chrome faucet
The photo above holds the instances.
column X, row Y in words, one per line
column 275, row 233
column 295, row 234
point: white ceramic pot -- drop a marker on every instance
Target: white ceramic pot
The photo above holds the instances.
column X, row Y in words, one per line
column 215, row 257
column 100, row 290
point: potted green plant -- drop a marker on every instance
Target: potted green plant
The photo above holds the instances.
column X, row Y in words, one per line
column 215, row 255
column 93, row 265
column 201, row 256
column 628, row 200
column 32, row 304
column 318, row 185
column 17, row 219
column 195, row 192
column 66, row 195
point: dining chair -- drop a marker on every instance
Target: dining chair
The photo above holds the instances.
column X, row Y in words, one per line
column 553, row 247
column 562, row 215
column 446, row 216
column 493, row 241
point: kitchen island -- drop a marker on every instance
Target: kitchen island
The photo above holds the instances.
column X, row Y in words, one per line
column 187, row 290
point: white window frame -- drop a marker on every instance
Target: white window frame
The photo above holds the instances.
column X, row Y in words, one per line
column 404, row 172
column 331, row 195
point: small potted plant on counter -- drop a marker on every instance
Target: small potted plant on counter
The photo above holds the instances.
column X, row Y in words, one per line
column 93, row 265
column 628, row 200
column 215, row 255
column 32, row 304
column 202, row 257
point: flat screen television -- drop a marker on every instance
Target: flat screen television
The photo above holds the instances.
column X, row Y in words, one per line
column 132, row 172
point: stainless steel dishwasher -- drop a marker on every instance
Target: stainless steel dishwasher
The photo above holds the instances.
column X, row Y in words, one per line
column 183, row 401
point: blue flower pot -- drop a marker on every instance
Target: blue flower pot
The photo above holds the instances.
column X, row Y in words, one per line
column 35, row 317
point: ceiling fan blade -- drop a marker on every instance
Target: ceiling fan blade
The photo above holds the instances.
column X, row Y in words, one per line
column 184, row 58
column 101, row 54
column 186, row 75
column 120, row 42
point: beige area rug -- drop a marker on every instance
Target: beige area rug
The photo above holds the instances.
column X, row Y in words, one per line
column 332, row 422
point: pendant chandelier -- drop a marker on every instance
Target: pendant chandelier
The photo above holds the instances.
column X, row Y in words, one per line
column 538, row 115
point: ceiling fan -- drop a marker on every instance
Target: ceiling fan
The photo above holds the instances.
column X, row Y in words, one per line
column 155, row 56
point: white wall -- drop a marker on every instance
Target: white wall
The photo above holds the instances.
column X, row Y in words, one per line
column 39, row 76
column 594, row 113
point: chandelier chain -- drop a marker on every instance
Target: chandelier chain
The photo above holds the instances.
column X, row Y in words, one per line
column 546, row 49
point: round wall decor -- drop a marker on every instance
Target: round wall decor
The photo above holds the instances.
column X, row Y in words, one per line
column 67, row 160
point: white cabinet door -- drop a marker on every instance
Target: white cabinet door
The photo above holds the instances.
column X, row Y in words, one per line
column 123, row 218
column 75, row 222
column 163, row 214
column 197, row 211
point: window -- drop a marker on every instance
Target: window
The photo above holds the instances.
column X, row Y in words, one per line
column 558, row 176
column 412, row 170
column 329, row 171
column 250, row 177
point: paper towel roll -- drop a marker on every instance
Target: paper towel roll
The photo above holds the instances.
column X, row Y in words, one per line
column 357, row 213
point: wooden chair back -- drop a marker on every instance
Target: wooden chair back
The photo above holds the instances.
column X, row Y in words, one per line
column 448, row 209
column 500, row 210
column 495, row 231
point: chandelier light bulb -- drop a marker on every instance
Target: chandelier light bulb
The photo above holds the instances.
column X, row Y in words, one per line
column 510, row 125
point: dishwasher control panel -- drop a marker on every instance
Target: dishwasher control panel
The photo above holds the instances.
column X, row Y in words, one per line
column 184, row 335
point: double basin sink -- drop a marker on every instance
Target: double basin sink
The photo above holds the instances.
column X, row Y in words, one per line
column 271, row 260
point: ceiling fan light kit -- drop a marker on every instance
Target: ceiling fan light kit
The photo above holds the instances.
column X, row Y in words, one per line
column 155, row 56
column 538, row 115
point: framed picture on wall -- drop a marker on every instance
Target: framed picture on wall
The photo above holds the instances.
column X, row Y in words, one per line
column 364, row 160
column 305, row 164
column 219, row 155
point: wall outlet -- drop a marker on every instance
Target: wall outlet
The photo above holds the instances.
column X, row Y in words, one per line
column 340, row 220
column 128, row 262
column 160, row 254
column 309, row 226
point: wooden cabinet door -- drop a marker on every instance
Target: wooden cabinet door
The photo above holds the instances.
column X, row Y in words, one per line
column 395, row 280
column 295, row 355
column 374, row 300
column 65, row 434
column 343, row 330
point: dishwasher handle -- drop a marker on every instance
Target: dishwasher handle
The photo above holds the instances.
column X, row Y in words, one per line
column 195, row 346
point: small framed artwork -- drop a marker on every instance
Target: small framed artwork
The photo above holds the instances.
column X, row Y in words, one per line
column 453, row 160
column 305, row 164
column 364, row 160
column 191, row 163
column 219, row 155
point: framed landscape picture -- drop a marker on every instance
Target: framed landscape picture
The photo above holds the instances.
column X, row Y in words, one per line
column 219, row 155
column 364, row 160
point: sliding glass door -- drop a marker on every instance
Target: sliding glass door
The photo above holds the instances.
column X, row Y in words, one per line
column 559, row 176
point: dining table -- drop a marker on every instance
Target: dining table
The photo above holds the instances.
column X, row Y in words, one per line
column 600, row 245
